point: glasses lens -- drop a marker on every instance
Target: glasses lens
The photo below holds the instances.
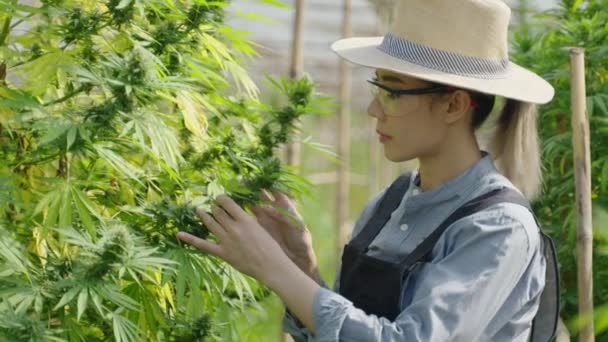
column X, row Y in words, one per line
column 388, row 102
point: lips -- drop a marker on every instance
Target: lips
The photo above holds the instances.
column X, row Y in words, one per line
column 383, row 135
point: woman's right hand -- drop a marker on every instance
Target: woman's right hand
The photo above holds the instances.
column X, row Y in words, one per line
column 281, row 219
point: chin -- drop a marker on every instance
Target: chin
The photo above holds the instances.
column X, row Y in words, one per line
column 401, row 156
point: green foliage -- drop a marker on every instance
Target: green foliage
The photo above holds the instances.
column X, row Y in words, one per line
column 575, row 23
column 117, row 119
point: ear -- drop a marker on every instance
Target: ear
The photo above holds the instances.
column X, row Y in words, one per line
column 459, row 105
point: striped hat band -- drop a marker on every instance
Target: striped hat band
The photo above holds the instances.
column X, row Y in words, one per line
column 444, row 61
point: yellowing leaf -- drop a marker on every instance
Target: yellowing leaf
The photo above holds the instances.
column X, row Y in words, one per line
column 42, row 71
column 194, row 117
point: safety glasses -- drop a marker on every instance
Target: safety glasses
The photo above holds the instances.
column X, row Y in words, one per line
column 388, row 96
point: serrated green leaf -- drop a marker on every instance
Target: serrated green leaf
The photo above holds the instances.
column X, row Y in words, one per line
column 17, row 99
column 85, row 209
column 71, row 136
column 25, row 304
column 82, row 302
column 118, row 162
column 123, row 4
column 65, row 214
column 124, row 329
column 111, row 293
column 15, row 8
column 97, row 302
column 12, row 257
column 601, row 104
column 55, row 130
column 68, row 296
column 38, row 303
column 276, row 3
column 53, row 209
column 575, row 5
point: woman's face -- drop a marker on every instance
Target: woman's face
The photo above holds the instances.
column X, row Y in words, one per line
column 409, row 126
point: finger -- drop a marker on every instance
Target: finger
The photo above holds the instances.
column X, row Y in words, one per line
column 211, row 223
column 222, row 218
column 266, row 196
column 201, row 244
column 258, row 211
column 231, row 207
column 273, row 212
column 282, row 199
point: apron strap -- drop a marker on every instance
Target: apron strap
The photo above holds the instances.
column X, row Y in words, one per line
column 389, row 202
column 422, row 252
column 544, row 324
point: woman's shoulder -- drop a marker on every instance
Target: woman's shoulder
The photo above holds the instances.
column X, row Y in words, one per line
column 498, row 221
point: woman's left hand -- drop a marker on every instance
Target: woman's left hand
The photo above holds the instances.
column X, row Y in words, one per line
column 243, row 242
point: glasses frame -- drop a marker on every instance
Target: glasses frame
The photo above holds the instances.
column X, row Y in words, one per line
column 415, row 91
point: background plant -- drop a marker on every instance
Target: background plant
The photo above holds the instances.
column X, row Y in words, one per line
column 544, row 48
column 117, row 118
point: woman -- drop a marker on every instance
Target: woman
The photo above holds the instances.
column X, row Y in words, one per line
column 481, row 275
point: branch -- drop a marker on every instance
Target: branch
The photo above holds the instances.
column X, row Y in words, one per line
column 67, row 96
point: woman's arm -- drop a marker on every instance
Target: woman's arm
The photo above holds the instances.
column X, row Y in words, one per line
column 297, row 290
column 456, row 297
column 291, row 324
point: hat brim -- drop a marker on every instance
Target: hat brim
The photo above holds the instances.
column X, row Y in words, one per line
column 518, row 83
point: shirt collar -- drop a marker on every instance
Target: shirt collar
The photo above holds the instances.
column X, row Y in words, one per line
column 457, row 187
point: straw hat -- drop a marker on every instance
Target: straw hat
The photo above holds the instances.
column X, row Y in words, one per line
column 462, row 43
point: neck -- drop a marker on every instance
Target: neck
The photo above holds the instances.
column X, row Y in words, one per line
column 451, row 160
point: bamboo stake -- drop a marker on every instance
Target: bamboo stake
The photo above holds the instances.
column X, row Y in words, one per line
column 562, row 334
column 344, row 145
column 293, row 151
column 373, row 158
column 376, row 154
column 582, row 166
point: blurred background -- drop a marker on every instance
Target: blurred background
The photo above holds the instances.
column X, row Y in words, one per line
column 271, row 28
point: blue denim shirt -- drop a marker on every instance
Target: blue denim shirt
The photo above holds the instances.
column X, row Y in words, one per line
column 483, row 283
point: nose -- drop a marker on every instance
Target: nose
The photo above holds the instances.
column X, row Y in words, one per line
column 375, row 109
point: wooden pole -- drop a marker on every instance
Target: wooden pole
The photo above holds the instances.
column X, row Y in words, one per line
column 293, row 151
column 373, row 156
column 344, row 145
column 376, row 154
column 582, row 167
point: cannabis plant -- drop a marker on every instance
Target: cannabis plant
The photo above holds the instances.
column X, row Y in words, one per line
column 574, row 23
column 117, row 119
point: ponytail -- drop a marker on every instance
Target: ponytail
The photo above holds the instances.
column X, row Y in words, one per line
column 515, row 147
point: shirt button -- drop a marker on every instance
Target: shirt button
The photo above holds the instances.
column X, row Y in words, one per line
column 415, row 192
column 404, row 227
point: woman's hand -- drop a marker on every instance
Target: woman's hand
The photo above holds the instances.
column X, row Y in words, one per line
column 289, row 230
column 243, row 243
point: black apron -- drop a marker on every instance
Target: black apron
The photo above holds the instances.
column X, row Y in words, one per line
column 375, row 285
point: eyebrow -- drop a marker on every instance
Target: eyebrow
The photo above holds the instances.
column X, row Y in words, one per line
column 389, row 78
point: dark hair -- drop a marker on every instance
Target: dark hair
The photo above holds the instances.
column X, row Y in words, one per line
column 514, row 143
column 485, row 104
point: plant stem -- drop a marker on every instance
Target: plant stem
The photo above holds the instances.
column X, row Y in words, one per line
column 16, row 23
column 66, row 97
column 6, row 29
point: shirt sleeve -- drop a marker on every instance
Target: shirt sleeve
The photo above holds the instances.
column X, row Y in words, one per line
column 294, row 327
column 476, row 265
column 291, row 324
